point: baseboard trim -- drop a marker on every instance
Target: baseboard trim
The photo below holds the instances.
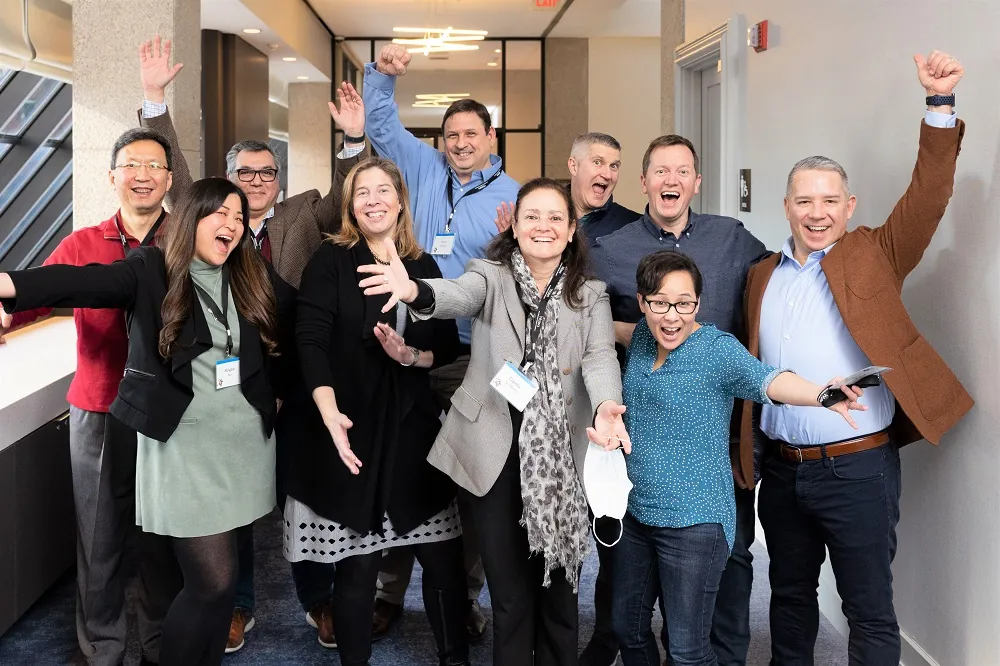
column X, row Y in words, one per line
column 913, row 654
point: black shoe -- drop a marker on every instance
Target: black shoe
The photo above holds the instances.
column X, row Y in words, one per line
column 599, row 654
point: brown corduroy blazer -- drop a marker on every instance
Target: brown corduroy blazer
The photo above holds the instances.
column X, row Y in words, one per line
column 865, row 271
column 299, row 222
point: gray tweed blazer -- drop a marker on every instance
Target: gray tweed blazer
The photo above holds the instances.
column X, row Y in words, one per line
column 475, row 440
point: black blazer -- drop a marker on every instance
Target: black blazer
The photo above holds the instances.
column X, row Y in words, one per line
column 154, row 393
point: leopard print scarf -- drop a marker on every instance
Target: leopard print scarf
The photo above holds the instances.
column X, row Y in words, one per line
column 555, row 506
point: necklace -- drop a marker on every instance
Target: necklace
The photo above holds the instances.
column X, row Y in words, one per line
column 378, row 260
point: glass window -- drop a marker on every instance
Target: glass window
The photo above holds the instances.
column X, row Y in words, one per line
column 524, row 85
column 31, row 107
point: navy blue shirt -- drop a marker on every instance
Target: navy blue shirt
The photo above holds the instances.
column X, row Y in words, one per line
column 605, row 220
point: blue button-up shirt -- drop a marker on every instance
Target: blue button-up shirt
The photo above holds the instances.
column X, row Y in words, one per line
column 426, row 172
column 678, row 420
column 801, row 327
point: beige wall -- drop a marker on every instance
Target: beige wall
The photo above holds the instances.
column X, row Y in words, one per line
column 624, row 101
column 566, row 100
column 310, row 158
column 947, row 570
column 671, row 36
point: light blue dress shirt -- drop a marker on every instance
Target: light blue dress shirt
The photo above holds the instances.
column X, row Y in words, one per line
column 426, row 172
column 801, row 327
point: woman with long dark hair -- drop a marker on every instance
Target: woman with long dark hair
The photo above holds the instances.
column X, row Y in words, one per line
column 197, row 388
column 359, row 480
column 543, row 378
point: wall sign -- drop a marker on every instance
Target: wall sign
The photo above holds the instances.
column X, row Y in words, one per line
column 744, row 190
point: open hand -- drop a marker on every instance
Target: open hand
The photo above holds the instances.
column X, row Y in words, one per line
column 393, row 343
column 5, row 323
column 938, row 73
column 392, row 279
column 609, row 428
column 851, row 404
column 393, row 59
column 338, row 425
column 351, row 115
column 155, row 68
column 505, row 216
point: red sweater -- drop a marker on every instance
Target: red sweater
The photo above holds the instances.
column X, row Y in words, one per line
column 102, row 341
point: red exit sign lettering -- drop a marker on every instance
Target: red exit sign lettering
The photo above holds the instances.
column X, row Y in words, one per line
column 545, row 4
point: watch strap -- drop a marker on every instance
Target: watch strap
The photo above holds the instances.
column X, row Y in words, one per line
column 940, row 100
column 360, row 139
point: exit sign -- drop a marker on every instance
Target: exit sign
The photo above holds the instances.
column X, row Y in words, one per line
column 545, row 4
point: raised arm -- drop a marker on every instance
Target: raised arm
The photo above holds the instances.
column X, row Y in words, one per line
column 156, row 73
column 63, row 286
column 350, row 117
column 911, row 225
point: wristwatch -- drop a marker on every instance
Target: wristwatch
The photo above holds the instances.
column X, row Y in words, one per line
column 353, row 139
column 416, row 357
column 941, row 100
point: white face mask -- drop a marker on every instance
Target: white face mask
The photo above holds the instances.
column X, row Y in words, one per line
column 606, row 482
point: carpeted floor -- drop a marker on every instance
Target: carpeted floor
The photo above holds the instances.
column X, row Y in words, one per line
column 46, row 634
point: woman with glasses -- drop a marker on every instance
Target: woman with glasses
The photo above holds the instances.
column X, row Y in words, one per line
column 680, row 381
column 197, row 388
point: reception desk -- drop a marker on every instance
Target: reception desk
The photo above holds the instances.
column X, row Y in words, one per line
column 37, row 524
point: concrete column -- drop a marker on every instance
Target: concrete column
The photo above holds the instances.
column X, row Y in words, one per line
column 566, row 100
column 671, row 36
column 310, row 153
column 107, row 92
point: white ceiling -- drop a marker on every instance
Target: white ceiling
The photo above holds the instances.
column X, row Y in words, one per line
column 520, row 55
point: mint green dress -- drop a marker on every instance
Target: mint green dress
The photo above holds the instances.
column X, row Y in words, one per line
column 216, row 472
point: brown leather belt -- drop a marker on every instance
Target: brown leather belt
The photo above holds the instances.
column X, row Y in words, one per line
column 856, row 445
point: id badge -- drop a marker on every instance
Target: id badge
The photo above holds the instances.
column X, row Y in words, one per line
column 443, row 244
column 517, row 387
column 227, row 373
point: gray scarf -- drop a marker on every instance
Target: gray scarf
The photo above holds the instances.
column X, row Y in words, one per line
column 555, row 506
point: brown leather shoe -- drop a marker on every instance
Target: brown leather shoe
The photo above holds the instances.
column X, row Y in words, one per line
column 384, row 616
column 476, row 622
column 242, row 623
column 321, row 618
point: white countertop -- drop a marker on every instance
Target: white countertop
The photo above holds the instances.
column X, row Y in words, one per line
column 36, row 367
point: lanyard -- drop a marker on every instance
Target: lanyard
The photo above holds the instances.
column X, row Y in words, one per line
column 220, row 315
column 451, row 196
column 150, row 235
column 536, row 329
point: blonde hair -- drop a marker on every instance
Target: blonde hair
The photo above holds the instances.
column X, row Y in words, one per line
column 350, row 232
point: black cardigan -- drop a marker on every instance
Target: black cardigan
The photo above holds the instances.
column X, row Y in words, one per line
column 153, row 394
column 395, row 415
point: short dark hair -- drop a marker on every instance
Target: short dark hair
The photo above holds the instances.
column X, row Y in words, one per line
column 136, row 134
column 670, row 140
column 468, row 105
column 588, row 139
column 654, row 267
column 249, row 145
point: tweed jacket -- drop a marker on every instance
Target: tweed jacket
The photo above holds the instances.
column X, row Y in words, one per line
column 473, row 444
column 865, row 270
column 299, row 222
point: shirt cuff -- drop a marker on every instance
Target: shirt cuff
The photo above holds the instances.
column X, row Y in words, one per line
column 944, row 120
column 347, row 153
column 377, row 79
column 153, row 109
column 425, row 297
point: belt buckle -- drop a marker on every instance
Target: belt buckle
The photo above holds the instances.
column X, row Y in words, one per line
column 798, row 451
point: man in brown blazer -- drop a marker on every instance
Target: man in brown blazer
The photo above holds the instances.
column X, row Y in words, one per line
column 832, row 299
column 287, row 233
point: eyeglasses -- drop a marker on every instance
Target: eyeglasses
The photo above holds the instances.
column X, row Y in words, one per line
column 266, row 175
column 152, row 167
column 663, row 307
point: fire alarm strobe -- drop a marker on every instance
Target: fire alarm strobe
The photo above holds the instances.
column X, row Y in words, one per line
column 757, row 36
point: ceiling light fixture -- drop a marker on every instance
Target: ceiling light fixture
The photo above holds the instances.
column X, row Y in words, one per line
column 289, row 59
column 437, row 100
column 251, row 31
column 497, row 51
column 302, row 78
column 491, row 64
column 438, row 40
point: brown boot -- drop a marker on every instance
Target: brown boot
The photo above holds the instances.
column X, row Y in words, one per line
column 242, row 623
column 321, row 617
column 384, row 616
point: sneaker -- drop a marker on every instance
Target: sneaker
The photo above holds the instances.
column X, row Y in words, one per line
column 476, row 622
column 320, row 617
column 384, row 616
column 242, row 623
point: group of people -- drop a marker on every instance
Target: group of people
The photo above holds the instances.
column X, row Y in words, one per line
column 302, row 353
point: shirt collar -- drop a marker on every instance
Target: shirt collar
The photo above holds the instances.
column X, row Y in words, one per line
column 653, row 229
column 788, row 253
column 602, row 209
column 478, row 176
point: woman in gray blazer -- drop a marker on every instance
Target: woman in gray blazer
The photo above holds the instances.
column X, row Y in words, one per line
column 543, row 378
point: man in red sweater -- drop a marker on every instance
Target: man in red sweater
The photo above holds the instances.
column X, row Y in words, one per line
column 103, row 450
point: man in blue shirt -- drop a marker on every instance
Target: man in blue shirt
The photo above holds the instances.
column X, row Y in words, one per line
column 457, row 197
column 724, row 251
column 594, row 161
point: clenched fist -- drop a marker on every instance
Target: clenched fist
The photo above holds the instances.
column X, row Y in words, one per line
column 938, row 73
column 393, row 60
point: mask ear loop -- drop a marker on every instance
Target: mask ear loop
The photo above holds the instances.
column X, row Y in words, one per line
column 621, row 530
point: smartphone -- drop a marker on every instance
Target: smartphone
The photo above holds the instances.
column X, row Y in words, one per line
column 865, row 378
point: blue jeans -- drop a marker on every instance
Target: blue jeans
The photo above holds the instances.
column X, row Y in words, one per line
column 313, row 580
column 849, row 505
column 683, row 566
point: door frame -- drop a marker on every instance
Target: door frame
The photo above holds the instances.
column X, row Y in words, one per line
column 725, row 44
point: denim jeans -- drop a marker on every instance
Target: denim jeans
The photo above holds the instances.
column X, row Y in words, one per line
column 683, row 566
column 849, row 505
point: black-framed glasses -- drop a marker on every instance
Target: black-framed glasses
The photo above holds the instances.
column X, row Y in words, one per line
column 266, row 175
column 663, row 307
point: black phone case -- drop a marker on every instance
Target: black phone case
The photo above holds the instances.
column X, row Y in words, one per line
column 832, row 395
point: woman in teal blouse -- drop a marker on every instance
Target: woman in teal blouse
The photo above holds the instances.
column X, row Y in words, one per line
column 680, row 381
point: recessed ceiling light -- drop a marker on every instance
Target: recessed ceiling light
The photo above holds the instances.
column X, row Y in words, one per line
column 302, row 78
column 289, row 59
column 491, row 64
column 251, row 31
column 497, row 51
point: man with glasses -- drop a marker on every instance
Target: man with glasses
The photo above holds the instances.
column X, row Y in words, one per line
column 287, row 233
column 102, row 449
column 724, row 252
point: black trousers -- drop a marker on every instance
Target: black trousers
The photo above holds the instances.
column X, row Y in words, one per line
column 531, row 624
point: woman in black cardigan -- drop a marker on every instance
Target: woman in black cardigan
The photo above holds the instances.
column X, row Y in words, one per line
column 359, row 481
column 205, row 464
